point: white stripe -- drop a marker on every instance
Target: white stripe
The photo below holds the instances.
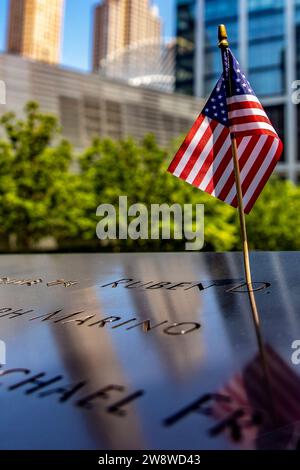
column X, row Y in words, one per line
column 204, row 153
column 227, row 172
column 261, row 172
column 247, row 112
column 252, row 126
column 240, row 98
column 189, row 151
column 216, row 162
column 254, row 154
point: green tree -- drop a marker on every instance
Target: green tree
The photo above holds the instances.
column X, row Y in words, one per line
column 38, row 193
column 273, row 223
column 125, row 168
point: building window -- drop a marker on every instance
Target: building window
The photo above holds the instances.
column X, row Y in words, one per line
column 215, row 9
column 256, row 5
column 70, row 111
column 185, row 47
column 276, row 116
column 267, row 82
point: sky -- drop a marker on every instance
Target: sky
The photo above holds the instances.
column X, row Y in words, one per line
column 77, row 40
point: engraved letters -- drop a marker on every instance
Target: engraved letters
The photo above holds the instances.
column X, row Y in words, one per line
column 173, row 329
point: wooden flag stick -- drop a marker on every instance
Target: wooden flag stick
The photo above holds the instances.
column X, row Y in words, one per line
column 223, row 44
column 227, row 66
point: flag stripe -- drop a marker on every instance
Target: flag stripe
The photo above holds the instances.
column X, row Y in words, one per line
column 216, row 148
column 186, row 143
column 244, row 105
column 265, row 178
column 204, row 146
column 228, row 171
column 256, row 132
column 261, row 171
column 223, row 155
column 243, row 157
column 247, row 112
column 251, row 126
column 248, row 120
column 256, row 164
column 220, row 166
column 241, row 98
column 248, row 167
column 193, row 144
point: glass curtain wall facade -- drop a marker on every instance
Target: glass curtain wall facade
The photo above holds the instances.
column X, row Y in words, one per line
column 185, row 46
column 265, row 36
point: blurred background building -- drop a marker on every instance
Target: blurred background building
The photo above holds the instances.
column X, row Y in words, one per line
column 265, row 36
column 128, row 44
column 127, row 50
column 119, row 24
column 35, row 29
column 88, row 105
column 128, row 47
column 150, row 64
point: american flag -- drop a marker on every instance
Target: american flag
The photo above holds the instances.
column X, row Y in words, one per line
column 205, row 157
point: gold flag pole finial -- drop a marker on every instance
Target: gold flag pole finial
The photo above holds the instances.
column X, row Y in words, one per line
column 222, row 34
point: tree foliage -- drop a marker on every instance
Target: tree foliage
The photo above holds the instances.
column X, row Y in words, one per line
column 37, row 187
column 138, row 171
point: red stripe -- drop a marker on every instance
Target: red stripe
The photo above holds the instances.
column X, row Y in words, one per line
column 255, row 167
column 219, row 171
column 210, row 157
column 242, row 160
column 248, row 119
column 198, row 150
column 244, row 105
column 255, row 132
column 186, row 143
column 262, row 183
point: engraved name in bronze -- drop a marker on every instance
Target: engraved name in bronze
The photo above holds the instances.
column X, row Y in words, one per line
column 92, row 320
column 231, row 285
column 42, row 386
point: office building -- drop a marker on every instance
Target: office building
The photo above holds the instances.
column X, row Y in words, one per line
column 89, row 106
column 120, row 24
column 264, row 34
column 35, row 28
column 130, row 66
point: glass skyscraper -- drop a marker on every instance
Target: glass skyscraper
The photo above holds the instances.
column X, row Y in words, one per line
column 265, row 36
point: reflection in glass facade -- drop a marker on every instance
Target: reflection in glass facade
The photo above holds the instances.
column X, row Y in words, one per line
column 265, row 36
column 297, row 16
column 266, row 39
column 265, row 42
column 185, row 46
column 216, row 12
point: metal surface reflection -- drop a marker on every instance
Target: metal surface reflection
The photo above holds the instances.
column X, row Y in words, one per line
column 147, row 351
